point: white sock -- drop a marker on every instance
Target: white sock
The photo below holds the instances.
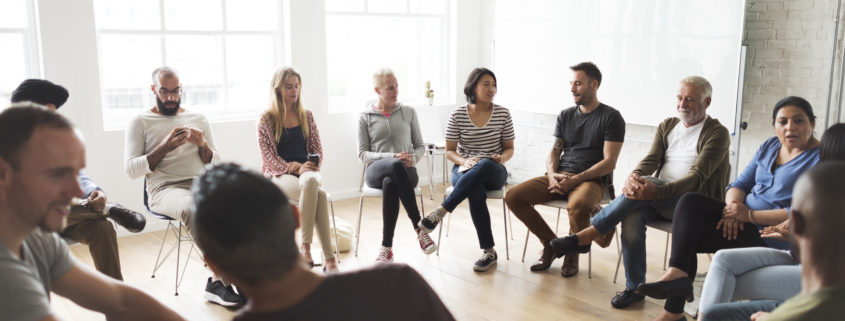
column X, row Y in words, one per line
column 440, row 212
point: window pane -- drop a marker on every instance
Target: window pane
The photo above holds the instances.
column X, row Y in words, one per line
column 428, row 6
column 199, row 60
column 251, row 63
column 193, row 15
column 13, row 14
column 345, row 5
column 126, row 65
column 127, row 14
column 13, row 65
column 252, row 15
column 349, row 71
column 387, row 6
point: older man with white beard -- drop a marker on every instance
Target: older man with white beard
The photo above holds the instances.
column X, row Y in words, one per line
column 689, row 154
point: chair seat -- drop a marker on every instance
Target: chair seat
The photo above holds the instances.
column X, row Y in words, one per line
column 664, row 226
column 494, row 194
column 377, row 192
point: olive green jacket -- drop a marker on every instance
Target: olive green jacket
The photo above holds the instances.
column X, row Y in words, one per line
column 709, row 173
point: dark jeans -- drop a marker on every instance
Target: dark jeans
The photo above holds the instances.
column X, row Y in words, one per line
column 474, row 184
column 694, row 231
column 397, row 182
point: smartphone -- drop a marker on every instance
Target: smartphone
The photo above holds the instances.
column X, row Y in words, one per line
column 314, row 158
column 180, row 131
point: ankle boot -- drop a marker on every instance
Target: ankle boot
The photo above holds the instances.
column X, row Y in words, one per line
column 570, row 265
column 546, row 259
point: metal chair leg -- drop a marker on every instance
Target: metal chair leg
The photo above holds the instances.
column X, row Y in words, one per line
column 557, row 221
column 505, row 221
column 334, row 223
column 439, row 235
column 666, row 251
column 358, row 228
column 525, row 247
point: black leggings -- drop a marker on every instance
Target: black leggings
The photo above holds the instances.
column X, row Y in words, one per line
column 398, row 182
column 694, row 231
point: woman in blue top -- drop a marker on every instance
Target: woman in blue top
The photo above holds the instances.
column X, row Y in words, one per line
column 761, row 196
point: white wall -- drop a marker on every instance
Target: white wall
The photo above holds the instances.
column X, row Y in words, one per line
column 69, row 55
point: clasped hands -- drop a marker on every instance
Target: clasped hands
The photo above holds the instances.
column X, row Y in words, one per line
column 184, row 134
column 562, row 183
column 638, row 188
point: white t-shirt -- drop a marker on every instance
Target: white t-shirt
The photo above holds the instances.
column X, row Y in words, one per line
column 682, row 151
column 144, row 134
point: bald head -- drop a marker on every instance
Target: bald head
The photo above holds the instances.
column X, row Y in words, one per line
column 818, row 214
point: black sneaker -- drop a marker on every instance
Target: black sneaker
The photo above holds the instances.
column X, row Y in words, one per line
column 625, row 298
column 429, row 222
column 129, row 219
column 487, row 260
column 223, row 295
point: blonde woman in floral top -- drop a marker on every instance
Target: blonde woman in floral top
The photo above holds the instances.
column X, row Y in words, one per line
column 287, row 135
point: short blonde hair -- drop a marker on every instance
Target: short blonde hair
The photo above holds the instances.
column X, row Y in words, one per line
column 381, row 74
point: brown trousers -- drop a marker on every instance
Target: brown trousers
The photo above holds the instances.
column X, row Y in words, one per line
column 581, row 201
column 93, row 229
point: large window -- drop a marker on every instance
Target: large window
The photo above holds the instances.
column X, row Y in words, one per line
column 409, row 36
column 225, row 51
column 18, row 40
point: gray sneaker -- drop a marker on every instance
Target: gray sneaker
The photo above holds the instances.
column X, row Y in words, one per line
column 429, row 222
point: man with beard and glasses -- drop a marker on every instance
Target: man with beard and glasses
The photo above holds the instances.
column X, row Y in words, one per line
column 40, row 158
column 689, row 154
column 169, row 146
column 87, row 221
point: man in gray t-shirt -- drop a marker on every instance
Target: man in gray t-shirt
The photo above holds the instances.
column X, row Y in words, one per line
column 40, row 158
column 246, row 229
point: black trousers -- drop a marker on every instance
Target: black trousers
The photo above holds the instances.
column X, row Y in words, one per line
column 398, row 182
column 694, row 231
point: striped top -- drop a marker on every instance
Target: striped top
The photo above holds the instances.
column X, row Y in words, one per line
column 480, row 141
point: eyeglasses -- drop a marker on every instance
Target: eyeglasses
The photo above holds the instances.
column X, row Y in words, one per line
column 175, row 92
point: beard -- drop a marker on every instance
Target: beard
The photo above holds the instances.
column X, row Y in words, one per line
column 688, row 116
column 166, row 110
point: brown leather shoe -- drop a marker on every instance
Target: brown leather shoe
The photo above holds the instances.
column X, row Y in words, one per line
column 546, row 259
column 570, row 265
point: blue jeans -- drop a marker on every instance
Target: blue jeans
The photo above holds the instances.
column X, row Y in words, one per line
column 633, row 214
column 474, row 184
column 737, row 310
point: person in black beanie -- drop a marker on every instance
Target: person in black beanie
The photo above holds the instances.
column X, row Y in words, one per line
column 87, row 222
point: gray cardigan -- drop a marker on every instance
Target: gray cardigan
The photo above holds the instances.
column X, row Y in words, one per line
column 381, row 137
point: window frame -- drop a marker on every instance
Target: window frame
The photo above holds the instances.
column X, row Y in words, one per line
column 281, row 48
column 31, row 43
column 447, row 95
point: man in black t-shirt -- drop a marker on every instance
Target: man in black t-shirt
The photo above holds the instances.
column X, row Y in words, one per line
column 588, row 139
column 257, row 251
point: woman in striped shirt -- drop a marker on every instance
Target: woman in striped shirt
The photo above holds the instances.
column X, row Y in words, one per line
column 479, row 140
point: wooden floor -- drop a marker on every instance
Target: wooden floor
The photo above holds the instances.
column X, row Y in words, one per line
column 510, row 292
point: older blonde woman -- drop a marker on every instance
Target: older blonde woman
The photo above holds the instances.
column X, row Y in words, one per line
column 287, row 135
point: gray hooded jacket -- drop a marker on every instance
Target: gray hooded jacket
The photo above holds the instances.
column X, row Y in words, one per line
column 381, row 137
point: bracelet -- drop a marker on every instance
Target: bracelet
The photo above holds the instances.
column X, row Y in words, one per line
column 751, row 216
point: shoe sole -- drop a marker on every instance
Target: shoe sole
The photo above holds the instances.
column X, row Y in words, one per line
column 661, row 295
column 477, row 268
column 430, row 250
column 218, row 300
column 424, row 228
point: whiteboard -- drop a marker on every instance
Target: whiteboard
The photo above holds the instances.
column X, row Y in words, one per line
column 643, row 48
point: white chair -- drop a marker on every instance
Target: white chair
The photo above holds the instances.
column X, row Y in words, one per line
column 491, row 194
column 367, row 191
column 334, row 224
column 181, row 233
column 561, row 204
column 664, row 226
column 432, row 150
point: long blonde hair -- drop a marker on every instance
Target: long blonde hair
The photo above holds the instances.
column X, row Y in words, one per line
column 276, row 112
